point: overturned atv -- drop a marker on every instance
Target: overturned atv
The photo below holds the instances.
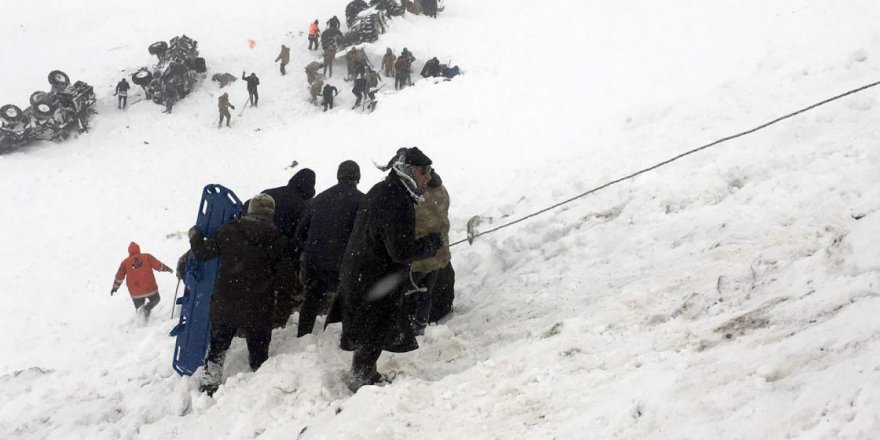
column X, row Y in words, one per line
column 179, row 66
column 367, row 26
column 51, row 116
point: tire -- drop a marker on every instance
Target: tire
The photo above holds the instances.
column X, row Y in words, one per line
column 157, row 48
column 44, row 110
column 142, row 77
column 38, row 96
column 10, row 113
column 199, row 65
column 58, row 78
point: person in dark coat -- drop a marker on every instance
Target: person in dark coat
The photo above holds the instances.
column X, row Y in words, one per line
column 429, row 7
column 322, row 235
column 122, row 92
column 170, row 96
column 333, row 23
column 252, row 83
column 251, row 251
column 431, row 69
column 360, row 87
column 290, row 206
column 373, row 277
column 329, row 93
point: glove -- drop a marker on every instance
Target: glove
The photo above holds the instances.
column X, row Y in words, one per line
column 435, row 241
column 193, row 231
column 168, row 269
column 112, row 291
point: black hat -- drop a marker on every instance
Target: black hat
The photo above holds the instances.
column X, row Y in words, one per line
column 415, row 157
column 349, row 171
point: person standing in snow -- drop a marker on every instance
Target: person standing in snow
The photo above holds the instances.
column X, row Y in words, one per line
column 374, row 275
column 284, row 57
column 432, row 216
column 329, row 93
column 137, row 271
column 333, row 23
column 322, row 235
column 252, row 83
column 122, row 91
column 170, row 97
column 291, row 204
column 224, row 106
column 388, row 63
column 401, row 72
column 372, row 78
column 430, row 8
column 314, row 33
column 360, row 87
column 329, row 57
column 251, row 250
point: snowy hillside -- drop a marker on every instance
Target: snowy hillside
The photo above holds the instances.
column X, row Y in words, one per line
column 733, row 294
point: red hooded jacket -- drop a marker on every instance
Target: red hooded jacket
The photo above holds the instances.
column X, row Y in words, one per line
column 137, row 271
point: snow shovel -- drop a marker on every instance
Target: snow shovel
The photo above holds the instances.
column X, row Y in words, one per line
column 244, row 106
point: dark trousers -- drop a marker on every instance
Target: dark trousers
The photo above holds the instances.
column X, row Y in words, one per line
column 224, row 114
column 359, row 94
column 153, row 301
column 399, row 81
column 328, row 102
column 169, row 104
column 363, row 364
column 417, row 305
column 318, row 284
column 313, row 39
column 254, row 97
column 123, row 100
column 257, row 344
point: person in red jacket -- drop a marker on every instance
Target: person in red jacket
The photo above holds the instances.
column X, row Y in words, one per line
column 313, row 35
column 137, row 271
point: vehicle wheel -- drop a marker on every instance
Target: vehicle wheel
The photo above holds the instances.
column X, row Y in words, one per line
column 142, row 77
column 58, row 78
column 10, row 113
column 44, row 110
column 158, row 48
column 199, row 65
column 38, row 96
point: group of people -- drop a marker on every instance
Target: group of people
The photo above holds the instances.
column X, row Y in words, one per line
column 379, row 263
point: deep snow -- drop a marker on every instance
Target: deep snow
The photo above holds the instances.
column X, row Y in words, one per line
column 732, row 294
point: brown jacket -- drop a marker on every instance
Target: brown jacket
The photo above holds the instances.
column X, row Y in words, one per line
column 388, row 61
column 223, row 103
column 284, row 56
column 432, row 215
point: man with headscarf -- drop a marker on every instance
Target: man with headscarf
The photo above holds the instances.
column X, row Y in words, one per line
column 290, row 205
column 251, row 250
column 322, row 235
column 374, row 275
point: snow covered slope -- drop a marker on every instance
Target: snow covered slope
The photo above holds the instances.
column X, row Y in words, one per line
column 732, row 294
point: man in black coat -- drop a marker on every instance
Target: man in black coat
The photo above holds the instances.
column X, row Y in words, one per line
column 373, row 278
column 290, row 206
column 251, row 251
column 322, row 236
column 122, row 91
column 252, row 83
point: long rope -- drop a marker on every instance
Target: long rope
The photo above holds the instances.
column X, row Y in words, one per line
column 673, row 159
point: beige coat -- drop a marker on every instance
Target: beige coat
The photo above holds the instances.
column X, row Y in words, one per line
column 432, row 215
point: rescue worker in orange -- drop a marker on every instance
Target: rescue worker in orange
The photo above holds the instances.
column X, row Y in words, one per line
column 137, row 271
column 314, row 32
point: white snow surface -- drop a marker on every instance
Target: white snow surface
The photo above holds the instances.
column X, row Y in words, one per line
column 733, row 294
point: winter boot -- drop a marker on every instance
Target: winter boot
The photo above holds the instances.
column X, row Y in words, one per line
column 212, row 377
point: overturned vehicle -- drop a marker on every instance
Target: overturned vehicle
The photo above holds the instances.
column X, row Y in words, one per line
column 179, row 66
column 51, row 116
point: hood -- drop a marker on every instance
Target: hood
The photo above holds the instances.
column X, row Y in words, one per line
column 133, row 248
column 435, row 181
column 303, row 182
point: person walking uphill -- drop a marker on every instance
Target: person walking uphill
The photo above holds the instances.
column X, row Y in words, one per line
column 373, row 277
column 224, row 106
column 252, row 83
column 322, row 235
column 329, row 93
column 290, row 207
column 284, row 57
column 251, row 250
column 137, row 271
column 122, row 91
column 314, row 33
